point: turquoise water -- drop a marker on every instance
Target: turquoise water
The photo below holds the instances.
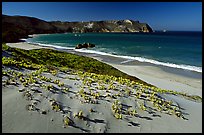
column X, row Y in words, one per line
column 173, row 49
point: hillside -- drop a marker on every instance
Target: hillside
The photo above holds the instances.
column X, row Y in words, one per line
column 103, row 26
column 17, row 27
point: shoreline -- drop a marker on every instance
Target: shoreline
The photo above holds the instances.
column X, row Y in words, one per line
column 129, row 59
column 184, row 70
column 158, row 77
column 150, row 73
column 101, row 119
column 125, row 62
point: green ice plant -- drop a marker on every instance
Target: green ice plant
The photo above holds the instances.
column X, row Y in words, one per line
column 60, row 84
column 142, row 106
column 79, row 115
column 49, row 87
column 118, row 116
column 19, row 74
column 131, row 111
column 116, row 109
column 54, row 72
column 67, row 121
column 66, row 89
column 101, row 87
column 56, row 107
column 81, row 92
column 56, row 81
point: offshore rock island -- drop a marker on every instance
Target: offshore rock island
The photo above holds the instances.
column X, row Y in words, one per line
column 17, row 27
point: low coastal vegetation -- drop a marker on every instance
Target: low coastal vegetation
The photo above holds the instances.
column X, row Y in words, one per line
column 54, row 59
column 94, row 82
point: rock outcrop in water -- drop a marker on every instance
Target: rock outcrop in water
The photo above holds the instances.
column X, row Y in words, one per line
column 85, row 45
column 17, row 27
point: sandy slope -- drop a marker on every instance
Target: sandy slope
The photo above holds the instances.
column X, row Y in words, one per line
column 25, row 46
column 164, row 80
column 15, row 117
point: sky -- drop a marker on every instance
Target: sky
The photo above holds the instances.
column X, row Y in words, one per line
column 179, row 16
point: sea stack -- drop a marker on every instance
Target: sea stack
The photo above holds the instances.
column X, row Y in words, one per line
column 85, row 45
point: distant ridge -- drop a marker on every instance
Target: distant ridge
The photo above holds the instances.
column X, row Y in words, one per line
column 17, row 27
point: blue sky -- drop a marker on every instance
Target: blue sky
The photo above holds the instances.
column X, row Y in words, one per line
column 185, row 16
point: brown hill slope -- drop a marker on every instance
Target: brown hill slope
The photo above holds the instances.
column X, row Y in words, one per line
column 17, row 27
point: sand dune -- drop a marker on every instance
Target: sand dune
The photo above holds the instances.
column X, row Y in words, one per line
column 35, row 109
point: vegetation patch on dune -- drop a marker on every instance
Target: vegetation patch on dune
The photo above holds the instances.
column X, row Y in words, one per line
column 55, row 59
column 91, row 82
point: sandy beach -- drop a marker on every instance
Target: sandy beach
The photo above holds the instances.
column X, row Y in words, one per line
column 24, row 45
column 98, row 117
column 164, row 80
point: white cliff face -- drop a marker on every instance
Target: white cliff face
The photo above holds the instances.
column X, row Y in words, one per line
column 128, row 21
column 110, row 26
column 90, row 25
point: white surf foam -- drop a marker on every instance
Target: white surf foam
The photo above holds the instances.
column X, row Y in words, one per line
column 129, row 58
column 54, row 46
column 23, row 39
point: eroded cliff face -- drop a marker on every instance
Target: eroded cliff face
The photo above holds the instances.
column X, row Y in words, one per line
column 103, row 26
column 17, row 27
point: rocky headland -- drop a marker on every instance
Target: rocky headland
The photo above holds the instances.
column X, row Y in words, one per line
column 17, row 27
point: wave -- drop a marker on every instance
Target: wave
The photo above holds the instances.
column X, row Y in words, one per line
column 129, row 58
column 53, row 46
column 126, row 61
column 23, row 39
column 141, row 59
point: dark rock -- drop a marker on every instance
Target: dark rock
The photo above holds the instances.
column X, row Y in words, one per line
column 85, row 45
column 91, row 45
column 79, row 46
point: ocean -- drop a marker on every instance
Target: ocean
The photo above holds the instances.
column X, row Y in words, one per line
column 174, row 49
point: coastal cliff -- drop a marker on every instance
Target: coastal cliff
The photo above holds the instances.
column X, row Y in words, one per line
column 102, row 26
column 17, row 27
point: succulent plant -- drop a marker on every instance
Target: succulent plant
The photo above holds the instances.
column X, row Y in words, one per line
column 49, row 87
column 118, row 116
column 79, row 114
column 60, row 84
column 56, row 107
column 56, row 81
column 142, row 106
column 67, row 121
